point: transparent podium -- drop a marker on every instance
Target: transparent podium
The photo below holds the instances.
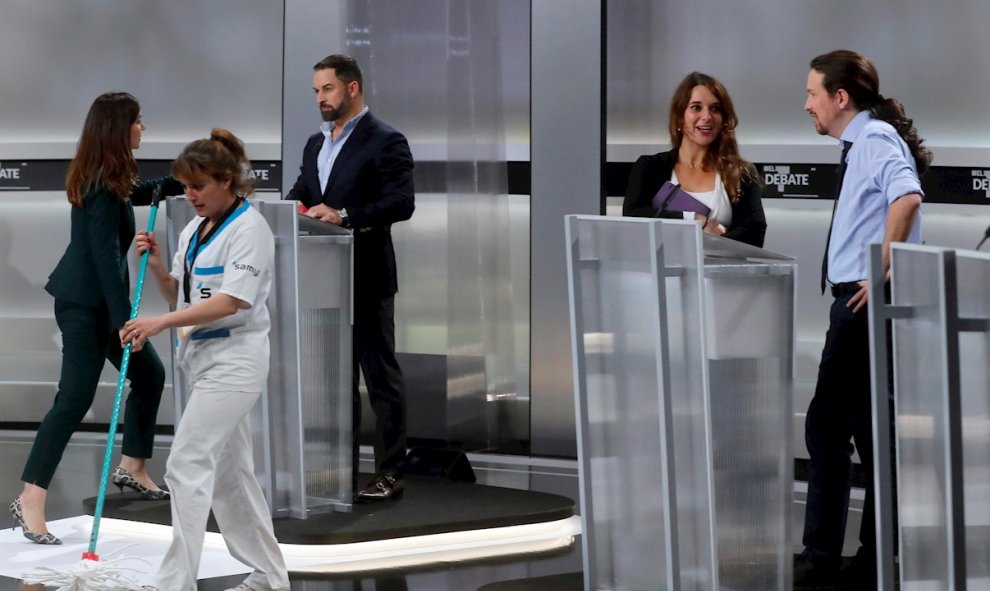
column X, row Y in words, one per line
column 683, row 355
column 302, row 427
column 936, row 332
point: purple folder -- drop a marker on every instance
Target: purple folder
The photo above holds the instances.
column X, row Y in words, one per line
column 670, row 197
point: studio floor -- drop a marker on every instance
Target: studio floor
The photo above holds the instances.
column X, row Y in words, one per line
column 76, row 478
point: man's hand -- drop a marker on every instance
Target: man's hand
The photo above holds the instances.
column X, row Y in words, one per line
column 324, row 213
column 859, row 298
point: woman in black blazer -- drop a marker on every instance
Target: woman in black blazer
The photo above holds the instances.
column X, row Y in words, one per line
column 92, row 302
column 705, row 162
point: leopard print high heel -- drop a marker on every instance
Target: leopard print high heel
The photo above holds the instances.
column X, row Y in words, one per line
column 122, row 478
column 17, row 512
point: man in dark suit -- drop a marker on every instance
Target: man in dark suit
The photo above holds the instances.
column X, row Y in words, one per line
column 357, row 173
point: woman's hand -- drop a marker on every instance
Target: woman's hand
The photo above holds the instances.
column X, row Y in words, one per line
column 144, row 241
column 709, row 225
column 138, row 331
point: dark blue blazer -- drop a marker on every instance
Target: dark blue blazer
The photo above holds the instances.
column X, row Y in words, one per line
column 93, row 271
column 372, row 178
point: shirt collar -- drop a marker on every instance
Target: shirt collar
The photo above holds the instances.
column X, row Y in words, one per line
column 327, row 126
column 856, row 125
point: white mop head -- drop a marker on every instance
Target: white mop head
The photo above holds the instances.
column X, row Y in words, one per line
column 90, row 575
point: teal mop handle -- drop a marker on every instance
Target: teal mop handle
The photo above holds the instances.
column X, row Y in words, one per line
column 121, row 380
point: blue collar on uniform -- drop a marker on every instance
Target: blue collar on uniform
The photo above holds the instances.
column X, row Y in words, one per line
column 196, row 248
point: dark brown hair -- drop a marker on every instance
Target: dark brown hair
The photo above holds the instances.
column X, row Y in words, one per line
column 723, row 154
column 103, row 155
column 857, row 75
column 345, row 68
column 220, row 157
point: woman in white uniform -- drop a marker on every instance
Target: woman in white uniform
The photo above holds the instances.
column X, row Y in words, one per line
column 220, row 279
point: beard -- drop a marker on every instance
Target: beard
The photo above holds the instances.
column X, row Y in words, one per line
column 333, row 113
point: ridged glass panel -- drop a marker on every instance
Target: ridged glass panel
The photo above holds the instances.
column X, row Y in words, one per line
column 749, row 324
column 434, row 70
column 616, row 302
column 323, row 389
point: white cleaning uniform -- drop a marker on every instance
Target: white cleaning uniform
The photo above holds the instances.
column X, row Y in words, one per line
column 226, row 366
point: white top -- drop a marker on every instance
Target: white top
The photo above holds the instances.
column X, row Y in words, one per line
column 237, row 260
column 717, row 200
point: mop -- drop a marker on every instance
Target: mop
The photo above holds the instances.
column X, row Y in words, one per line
column 92, row 574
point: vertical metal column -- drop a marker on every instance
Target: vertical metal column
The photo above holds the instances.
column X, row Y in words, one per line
column 567, row 151
column 668, row 474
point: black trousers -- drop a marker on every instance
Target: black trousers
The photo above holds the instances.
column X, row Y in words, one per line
column 840, row 414
column 88, row 341
column 374, row 353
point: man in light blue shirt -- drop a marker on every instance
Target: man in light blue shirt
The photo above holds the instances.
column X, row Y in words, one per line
column 878, row 201
column 334, row 142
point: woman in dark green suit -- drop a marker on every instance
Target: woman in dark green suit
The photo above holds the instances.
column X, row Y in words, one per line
column 92, row 302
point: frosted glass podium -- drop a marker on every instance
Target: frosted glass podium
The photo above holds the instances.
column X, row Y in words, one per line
column 938, row 339
column 683, row 355
column 302, row 427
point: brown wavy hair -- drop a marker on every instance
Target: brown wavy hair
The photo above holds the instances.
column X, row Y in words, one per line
column 220, row 157
column 857, row 75
column 103, row 155
column 723, row 153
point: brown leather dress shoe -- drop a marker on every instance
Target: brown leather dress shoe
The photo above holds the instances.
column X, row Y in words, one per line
column 384, row 487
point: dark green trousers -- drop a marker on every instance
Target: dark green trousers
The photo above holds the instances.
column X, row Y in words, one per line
column 88, row 341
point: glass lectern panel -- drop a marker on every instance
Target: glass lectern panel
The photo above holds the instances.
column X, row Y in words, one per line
column 941, row 354
column 973, row 274
column 920, row 418
column 302, row 427
column 683, row 353
column 689, row 401
column 750, row 334
column 616, row 305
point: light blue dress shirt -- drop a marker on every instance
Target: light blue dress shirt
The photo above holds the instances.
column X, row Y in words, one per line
column 880, row 170
column 331, row 149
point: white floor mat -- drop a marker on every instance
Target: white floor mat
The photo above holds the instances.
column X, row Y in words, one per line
column 18, row 556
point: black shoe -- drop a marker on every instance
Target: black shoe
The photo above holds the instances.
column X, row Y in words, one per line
column 18, row 514
column 811, row 574
column 384, row 487
column 122, row 478
column 860, row 571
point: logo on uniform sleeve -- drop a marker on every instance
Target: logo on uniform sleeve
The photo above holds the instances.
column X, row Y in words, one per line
column 981, row 181
column 240, row 267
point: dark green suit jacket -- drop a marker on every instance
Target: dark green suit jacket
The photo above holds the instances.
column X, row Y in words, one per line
column 93, row 271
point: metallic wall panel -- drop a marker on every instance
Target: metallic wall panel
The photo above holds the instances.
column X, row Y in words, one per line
column 434, row 71
column 30, row 341
column 566, row 154
column 774, row 41
column 193, row 65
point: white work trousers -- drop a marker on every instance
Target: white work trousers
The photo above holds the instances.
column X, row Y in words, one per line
column 212, row 460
